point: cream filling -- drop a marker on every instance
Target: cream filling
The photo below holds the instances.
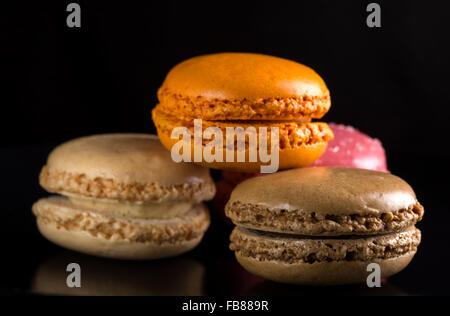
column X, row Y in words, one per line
column 147, row 210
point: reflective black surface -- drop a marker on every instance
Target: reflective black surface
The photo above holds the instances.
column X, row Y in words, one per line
column 31, row 265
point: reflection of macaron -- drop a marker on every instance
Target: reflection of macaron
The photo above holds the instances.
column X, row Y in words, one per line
column 182, row 276
column 323, row 226
column 123, row 198
column 351, row 148
column 247, row 90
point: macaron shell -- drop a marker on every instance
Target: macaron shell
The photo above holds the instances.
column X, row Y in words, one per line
column 327, row 191
column 303, row 155
column 322, row 262
column 100, row 235
column 352, row 148
column 259, row 76
column 322, row 273
column 124, row 158
column 82, row 186
column 300, row 144
column 83, row 242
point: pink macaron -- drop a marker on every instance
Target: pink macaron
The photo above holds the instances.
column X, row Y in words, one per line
column 351, row 148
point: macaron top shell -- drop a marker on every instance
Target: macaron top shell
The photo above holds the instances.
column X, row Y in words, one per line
column 241, row 86
column 327, row 191
column 132, row 167
column 260, row 76
column 128, row 158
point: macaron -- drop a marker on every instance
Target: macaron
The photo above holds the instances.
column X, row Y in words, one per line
column 121, row 196
column 352, row 148
column 324, row 225
column 231, row 90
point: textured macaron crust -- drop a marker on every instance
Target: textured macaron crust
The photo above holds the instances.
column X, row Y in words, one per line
column 332, row 261
column 131, row 167
column 232, row 90
column 324, row 201
column 123, row 197
column 322, row 273
column 243, row 86
column 304, row 249
column 324, row 225
column 352, row 148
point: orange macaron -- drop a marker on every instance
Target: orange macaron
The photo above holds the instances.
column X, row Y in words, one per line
column 251, row 91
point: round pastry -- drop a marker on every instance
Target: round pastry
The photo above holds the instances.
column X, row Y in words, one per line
column 351, row 148
column 122, row 197
column 324, row 225
column 231, row 90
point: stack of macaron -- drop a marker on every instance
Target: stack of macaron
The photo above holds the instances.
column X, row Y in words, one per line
column 121, row 196
column 324, row 225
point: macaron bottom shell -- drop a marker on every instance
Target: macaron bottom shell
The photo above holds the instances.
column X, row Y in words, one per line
column 288, row 158
column 322, row 261
column 322, row 273
column 97, row 234
column 83, row 242
column 301, row 155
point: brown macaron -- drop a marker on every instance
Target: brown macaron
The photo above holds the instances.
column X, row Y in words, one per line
column 323, row 226
column 122, row 196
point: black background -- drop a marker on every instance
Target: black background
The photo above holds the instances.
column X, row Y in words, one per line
column 59, row 83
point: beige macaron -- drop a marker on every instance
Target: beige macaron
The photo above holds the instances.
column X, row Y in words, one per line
column 121, row 196
column 324, row 226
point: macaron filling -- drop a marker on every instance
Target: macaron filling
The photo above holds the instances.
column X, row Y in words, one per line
column 146, row 210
